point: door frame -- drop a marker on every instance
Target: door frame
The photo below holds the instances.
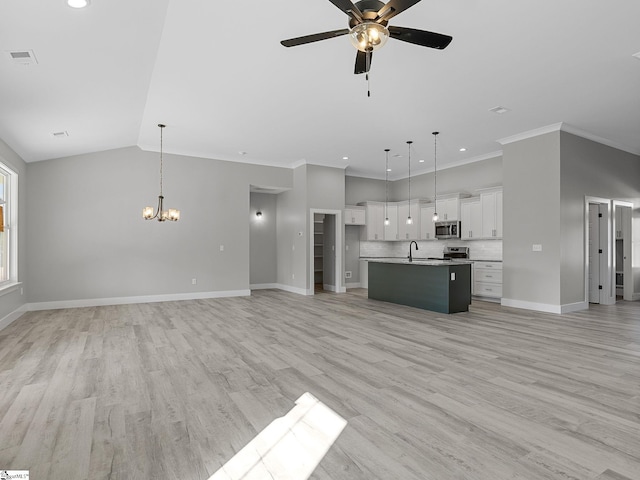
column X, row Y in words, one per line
column 340, row 288
column 608, row 276
column 628, row 286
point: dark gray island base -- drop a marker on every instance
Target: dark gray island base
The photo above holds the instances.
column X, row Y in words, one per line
column 443, row 287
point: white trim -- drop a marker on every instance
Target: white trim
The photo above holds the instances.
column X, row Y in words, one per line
column 556, row 127
column 100, row 302
column 574, row 307
column 565, row 127
column 12, row 317
column 264, row 286
column 339, row 231
column 595, row 138
column 290, row 289
column 353, row 285
column 329, row 288
column 9, row 288
column 544, row 307
column 635, row 297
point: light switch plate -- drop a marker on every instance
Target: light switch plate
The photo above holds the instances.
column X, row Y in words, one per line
column 537, row 247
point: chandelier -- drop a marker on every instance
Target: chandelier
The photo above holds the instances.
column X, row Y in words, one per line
column 172, row 214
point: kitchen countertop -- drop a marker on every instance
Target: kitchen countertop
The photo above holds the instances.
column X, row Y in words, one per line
column 424, row 259
column 419, row 261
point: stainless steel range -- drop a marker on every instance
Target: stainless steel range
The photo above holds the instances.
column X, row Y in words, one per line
column 453, row 253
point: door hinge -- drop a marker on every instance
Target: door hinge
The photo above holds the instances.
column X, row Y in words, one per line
column 599, row 250
column 599, row 287
column 599, row 215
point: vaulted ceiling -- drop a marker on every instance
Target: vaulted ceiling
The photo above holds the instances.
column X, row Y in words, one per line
column 215, row 73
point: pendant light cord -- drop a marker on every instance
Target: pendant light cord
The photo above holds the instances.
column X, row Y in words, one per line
column 386, row 186
column 161, row 128
column 409, row 142
column 435, row 170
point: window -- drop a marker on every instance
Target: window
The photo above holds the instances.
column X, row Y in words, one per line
column 8, row 263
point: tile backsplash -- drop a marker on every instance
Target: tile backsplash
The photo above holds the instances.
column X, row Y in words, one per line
column 478, row 249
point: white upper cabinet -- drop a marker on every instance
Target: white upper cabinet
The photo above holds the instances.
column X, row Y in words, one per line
column 491, row 204
column 448, row 208
column 409, row 231
column 391, row 230
column 374, row 229
column 354, row 215
column 427, row 226
column 470, row 218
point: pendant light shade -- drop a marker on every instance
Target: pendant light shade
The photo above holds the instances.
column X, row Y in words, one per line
column 386, row 188
column 409, row 219
column 435, row 173
column 162, row 215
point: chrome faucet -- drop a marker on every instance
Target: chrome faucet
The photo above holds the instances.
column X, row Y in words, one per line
column 412, row 242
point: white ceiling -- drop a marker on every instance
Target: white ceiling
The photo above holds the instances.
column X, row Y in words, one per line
column 216, row 74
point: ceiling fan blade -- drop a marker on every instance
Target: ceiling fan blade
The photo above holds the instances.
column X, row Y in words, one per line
column 316, row 37
column 393, row 8
column 420, row 37
column 363, row 62
column 349, row 8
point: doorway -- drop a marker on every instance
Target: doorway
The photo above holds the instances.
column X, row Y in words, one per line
column 599, row 274
column 622, row 212
column 326, row 243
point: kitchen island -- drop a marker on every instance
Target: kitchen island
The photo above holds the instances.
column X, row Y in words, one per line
column 440, row 285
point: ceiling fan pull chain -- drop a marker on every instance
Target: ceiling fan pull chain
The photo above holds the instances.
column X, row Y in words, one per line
column 368, row 66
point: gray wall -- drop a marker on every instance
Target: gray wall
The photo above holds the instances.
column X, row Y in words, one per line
column 263, row 261
column 531, row 215
column 596, row 170
column 352, row 254
column 292, row 232
column 463, row 179
column 14, row 300
column 87, row 239
column 546, row 179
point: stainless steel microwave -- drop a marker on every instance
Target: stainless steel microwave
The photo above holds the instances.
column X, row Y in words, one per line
column 449, row 229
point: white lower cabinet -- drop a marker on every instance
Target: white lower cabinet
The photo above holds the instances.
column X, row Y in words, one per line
column 487, row 279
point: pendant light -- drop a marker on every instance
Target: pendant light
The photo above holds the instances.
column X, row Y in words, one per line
column 409, row 219
column 435, row 172
column 162, row 215
column 386, row 189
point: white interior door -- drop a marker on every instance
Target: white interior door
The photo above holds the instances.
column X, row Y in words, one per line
column 594, row 255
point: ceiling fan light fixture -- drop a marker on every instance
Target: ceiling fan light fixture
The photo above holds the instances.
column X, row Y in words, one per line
column 368, row 36
column 78, row 3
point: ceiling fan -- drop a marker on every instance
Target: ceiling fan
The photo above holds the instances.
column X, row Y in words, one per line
column 368, row 30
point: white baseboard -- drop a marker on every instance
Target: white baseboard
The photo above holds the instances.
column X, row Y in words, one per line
column 635, row 297
column 99, row 302
column 289, row 288
column 329, row 288
column 353, row 285
column 264, row 286
column 544, row 307
column 12, row 317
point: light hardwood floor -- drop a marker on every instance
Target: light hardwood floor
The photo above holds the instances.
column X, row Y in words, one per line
column 173, row 390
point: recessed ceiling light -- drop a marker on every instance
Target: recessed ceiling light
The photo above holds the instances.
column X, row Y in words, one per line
column 499, row 110
column 463, row 149
column 421, row 161
column 345, row 158
column 62, row 134
column 78, row 3
column 242, row 152
column 388, row 169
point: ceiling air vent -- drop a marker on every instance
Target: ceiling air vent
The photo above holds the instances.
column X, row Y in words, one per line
column 60, row 134
column 499, row 110
column 23, row 57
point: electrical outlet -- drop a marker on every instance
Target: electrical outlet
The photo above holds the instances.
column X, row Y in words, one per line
column 453, row 276
column 347, row 274
column 293, row 276
column 194, row 281
column 537, row 247
column 346, row 247
column 222, row 248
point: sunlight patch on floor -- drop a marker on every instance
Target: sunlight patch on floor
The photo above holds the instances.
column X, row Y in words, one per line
column 290, row 447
